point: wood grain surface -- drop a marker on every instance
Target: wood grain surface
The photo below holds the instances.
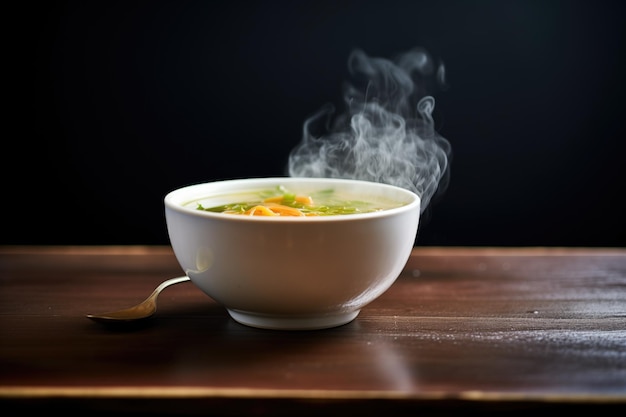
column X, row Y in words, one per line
column 485, row 330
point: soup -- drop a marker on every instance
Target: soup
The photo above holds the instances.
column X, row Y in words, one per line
column 283, row 202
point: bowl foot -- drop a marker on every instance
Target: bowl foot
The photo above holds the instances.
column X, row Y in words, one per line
column 277, row 322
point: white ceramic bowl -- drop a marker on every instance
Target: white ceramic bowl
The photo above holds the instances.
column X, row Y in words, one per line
column 292, row 273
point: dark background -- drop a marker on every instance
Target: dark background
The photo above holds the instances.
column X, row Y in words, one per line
column 114, row 103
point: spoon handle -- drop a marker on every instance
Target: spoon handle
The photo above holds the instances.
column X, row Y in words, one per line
column 169, row 282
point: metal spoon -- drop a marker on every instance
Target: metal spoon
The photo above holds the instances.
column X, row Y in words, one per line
column 142, row 310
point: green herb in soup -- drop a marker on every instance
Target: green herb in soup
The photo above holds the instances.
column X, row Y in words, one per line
column 282, row 202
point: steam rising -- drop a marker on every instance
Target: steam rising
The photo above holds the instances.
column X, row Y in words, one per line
column 387, row 132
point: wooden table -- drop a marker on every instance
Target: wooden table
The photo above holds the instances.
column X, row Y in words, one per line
column 462, row 330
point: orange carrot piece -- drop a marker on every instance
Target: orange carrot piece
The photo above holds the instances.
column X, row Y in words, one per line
column 304, row 199
column 260, row 211
column 284, row 210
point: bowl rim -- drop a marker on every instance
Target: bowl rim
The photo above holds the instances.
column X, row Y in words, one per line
column 172, row 199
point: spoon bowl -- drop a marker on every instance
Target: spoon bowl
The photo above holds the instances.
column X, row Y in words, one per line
column 140, row 311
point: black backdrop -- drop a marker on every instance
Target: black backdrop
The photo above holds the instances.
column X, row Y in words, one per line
column 115, row 103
